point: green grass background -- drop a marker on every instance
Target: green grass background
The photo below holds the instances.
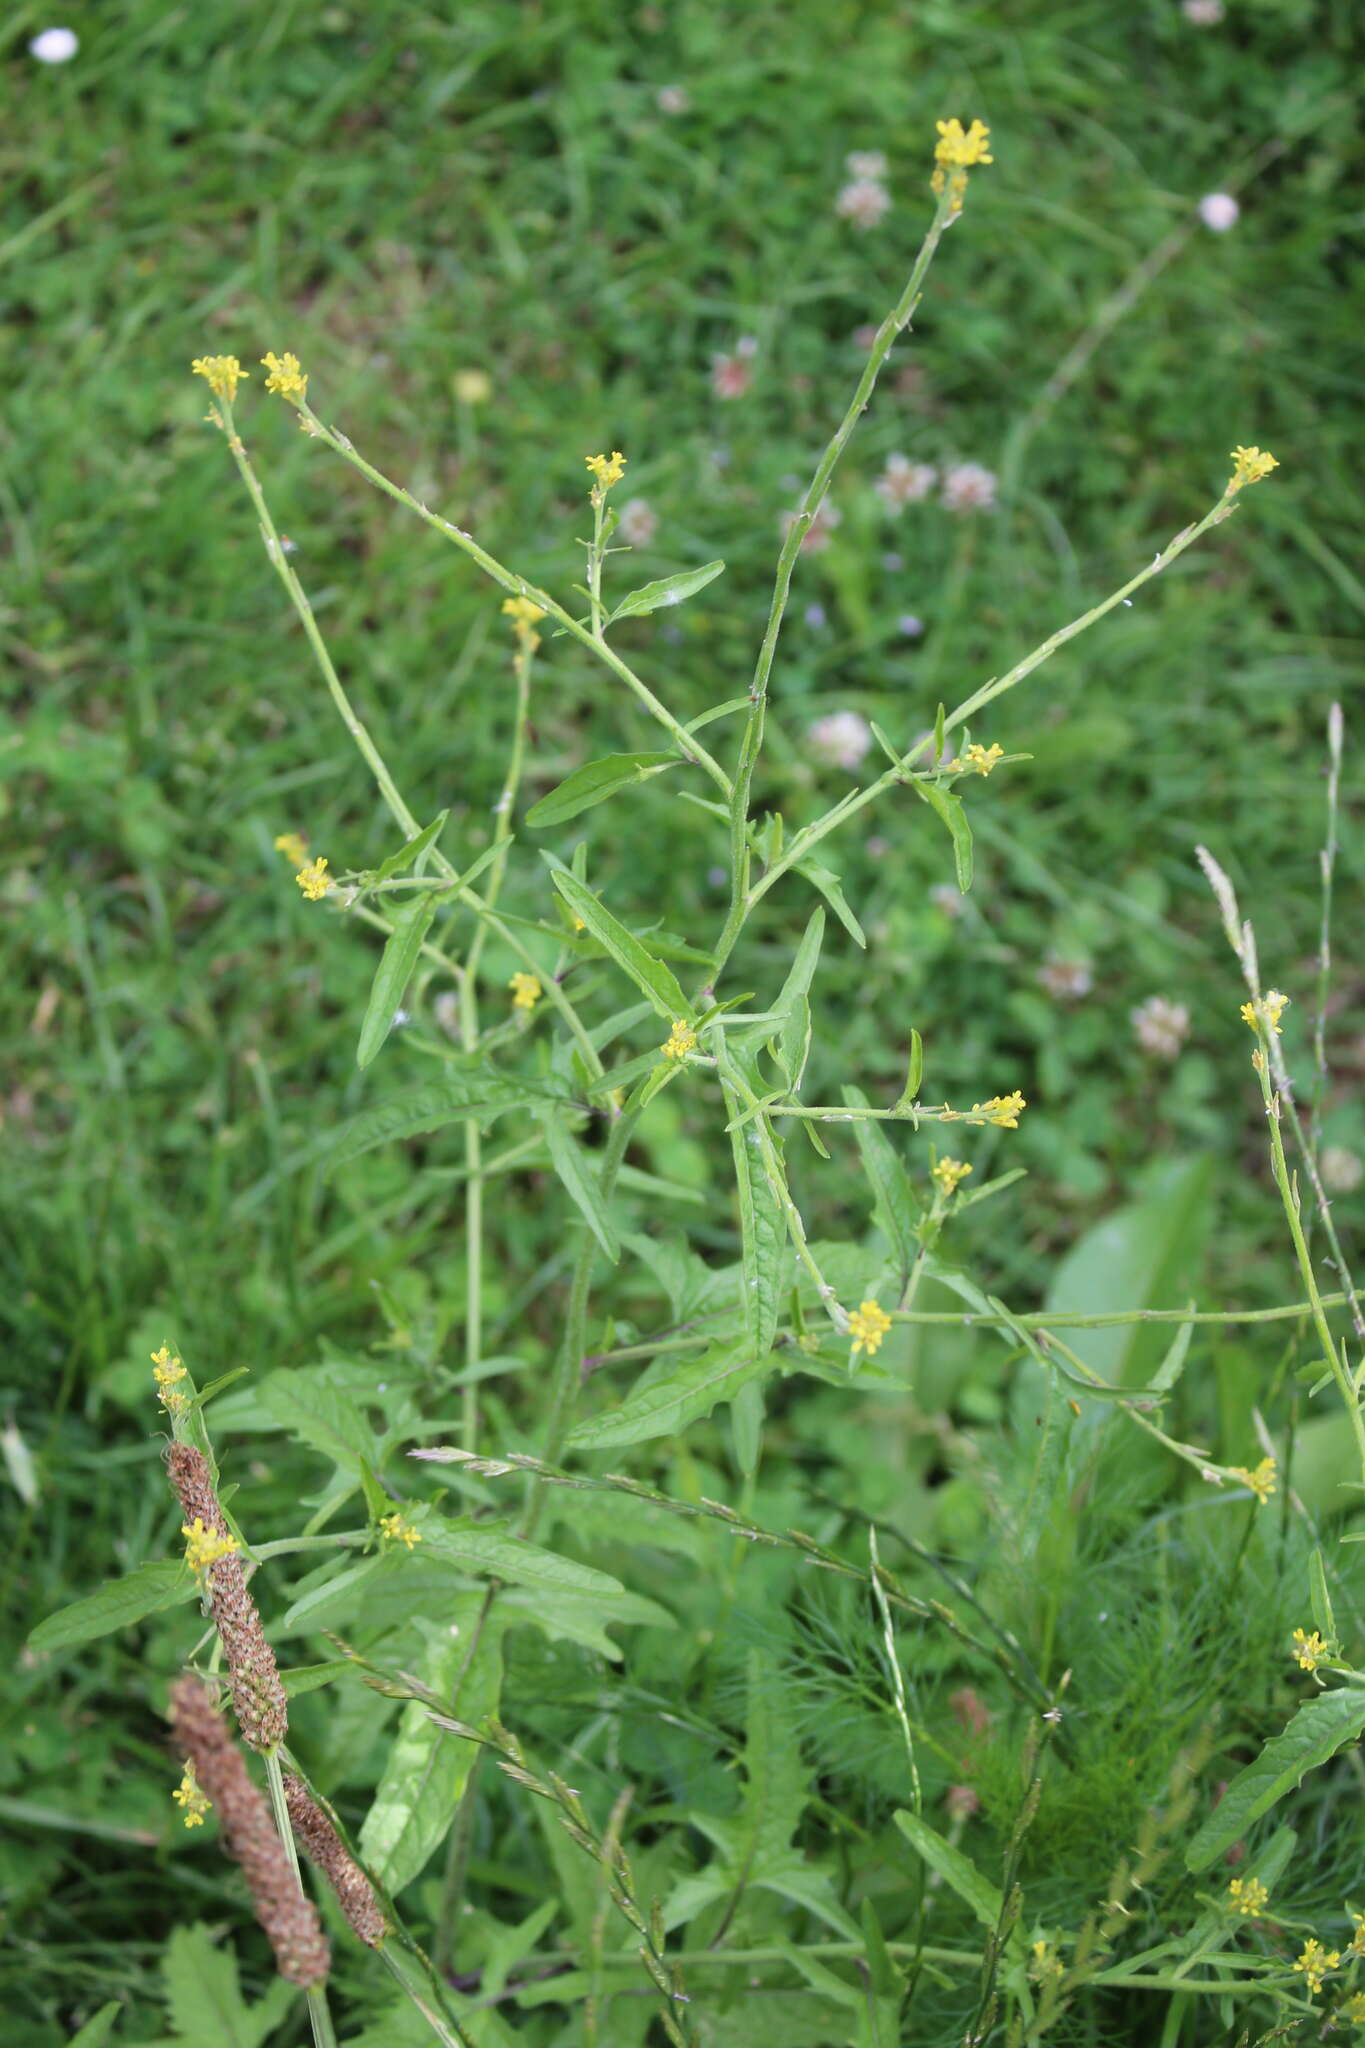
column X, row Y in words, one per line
column 401, row 193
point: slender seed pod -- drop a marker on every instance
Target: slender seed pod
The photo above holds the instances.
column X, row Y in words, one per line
column 324, row 1846
column 258, row 1696
column 290, row 1920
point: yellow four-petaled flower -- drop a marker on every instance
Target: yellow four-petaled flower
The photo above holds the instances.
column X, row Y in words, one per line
column 1270, row 1009
column 396, row 1530
column 867, row 1325
column 204, row 1547
column 1251, row 464
column 1309, row 1649
column 1261, row 1481
column 287, row 376
column 294, row 847
column 949, row 1173
column 1247, row 1894
column 314, row 880
column 222, row 373
column 1314, row 1964
column 679, row 1041
column 526, row 991
column 608, row 469
column 962, row 147
column 191, row 1798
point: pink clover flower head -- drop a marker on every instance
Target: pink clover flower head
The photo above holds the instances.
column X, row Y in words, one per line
column 968, row 487
column 1219, row 211
column 840, row 739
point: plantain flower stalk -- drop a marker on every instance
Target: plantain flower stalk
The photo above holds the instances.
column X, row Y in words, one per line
column 258, row 1696
column 314, row 1831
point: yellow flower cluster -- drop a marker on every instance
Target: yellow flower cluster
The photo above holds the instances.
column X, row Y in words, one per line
column 1247, row 1895
column 204, row 1547
column 1309, row 1649
column 287, row 376
column 223, row 374
column 396, row 1530
column 608, row 470
column 961, row 148
column 1001, row 1109
column 1046, row 1961
column 167, row 1371
column 1271, row 1008
column 1355, row 2008
column 191, row 1799
column 526, row 991
column 867, row 1325
column 950, row 1173
column 294, row 847
column 523, row 614
column 1251, row 464
column 1314, row 1964
column 680, row 1041
column 1261, row 1481
column 314, row 880
column 1356, row 1945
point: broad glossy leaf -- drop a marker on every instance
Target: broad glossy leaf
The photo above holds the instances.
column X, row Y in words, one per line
column 1321, row 1727
column 594, row 782
column 650, row 976
column 411, row 922
column 162, row 1582
column 652, row 597
column 688, row 1393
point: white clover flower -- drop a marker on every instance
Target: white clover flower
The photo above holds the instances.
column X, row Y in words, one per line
column 1219, row 211
column 903, row 482
column 1161, row 1027
column 968, row 487
column 672, row 99
column 1203, row 13
column 1068, row 980
column 54, row 45
column 639, row 522
column 863, row 202
column 840, row 739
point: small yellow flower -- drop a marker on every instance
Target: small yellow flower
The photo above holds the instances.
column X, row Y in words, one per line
column 191, row 1799
column 286, row 376
column 1046, row 1961
column 224, row 374
column 166, row 1371
column 867, row 1325
column 1356, row 1945
column 1002, row 1110
column 1309, row 1649
column 983, row 759
column 1247, row 1895
column 679, row 1042
column 1261, row 1481
column 950, row 1173
column 473, row 387
column 204, row 1547
column 1314, row 1964
column 580, row 924
column 608, row 470
column 396, row 1530
column 314, row 880
column 1355, row 2008
column 961, row 147
column 1251, row 465
column 294, row 847
column 523, row 615
column 1271, row 1008
column 526, row 991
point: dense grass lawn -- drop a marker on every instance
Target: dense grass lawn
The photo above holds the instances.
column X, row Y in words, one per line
column 501, row 237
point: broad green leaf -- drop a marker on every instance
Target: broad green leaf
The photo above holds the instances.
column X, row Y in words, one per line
column 427, row 1767
column 584, row 1617
column 831, row 888
column 204, row 1997
column 477, row 1092
column 898, row 1211
column 1321, row 1727
column 407, row 857
column 486, row 1552
column 571, row 1163
column 764, row 1255
column 667, row 1407
column 652, row 597
column 160, row 1583
column 594, row 782
column 301, row 1678
column 650, row 976
column 955, row 1869
column 98, row 2027
column 411, row 922
column 950, row 808
column 310, row 1407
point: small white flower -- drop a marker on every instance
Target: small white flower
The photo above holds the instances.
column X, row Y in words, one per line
column 866, row 163
column 638, row 524
column 1068, row 980
column 903, row 482
column 1203, row 13
column 969, row 488
column 672, row 99
column 1219, row 211
column 840, row 739
column 1161, row 1027
column 863, row 202
column 55, row 46
column 1342, row 1170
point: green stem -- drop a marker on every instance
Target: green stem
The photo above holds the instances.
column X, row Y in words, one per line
column 411, row 1979
column 517, row 586
column 752, row 743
